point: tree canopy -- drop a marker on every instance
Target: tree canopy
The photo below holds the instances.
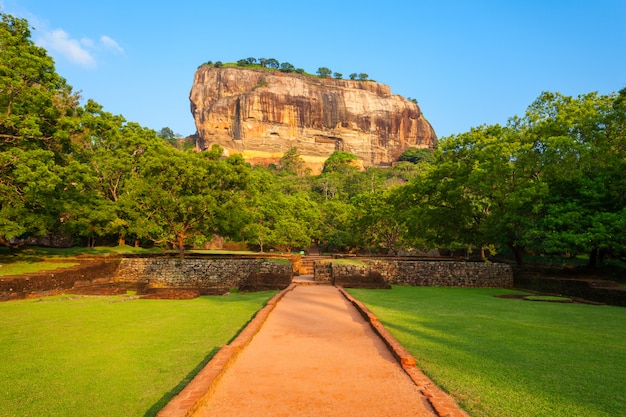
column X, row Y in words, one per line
column 550, row 182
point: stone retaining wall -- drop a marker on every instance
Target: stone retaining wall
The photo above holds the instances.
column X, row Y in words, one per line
column 418, row 273
column 207, row 275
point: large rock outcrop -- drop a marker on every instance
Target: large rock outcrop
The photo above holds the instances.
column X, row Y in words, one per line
column 262, row 114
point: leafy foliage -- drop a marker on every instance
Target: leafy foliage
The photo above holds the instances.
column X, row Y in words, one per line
column 549, row 183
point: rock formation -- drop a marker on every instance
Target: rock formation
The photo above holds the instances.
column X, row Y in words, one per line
column 262, row 114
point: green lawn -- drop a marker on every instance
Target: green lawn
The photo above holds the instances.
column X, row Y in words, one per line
column 35, row 259
column 510, row 357
column 26, row 267
column 109, row 356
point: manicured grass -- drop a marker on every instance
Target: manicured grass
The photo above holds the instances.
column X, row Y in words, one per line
column 552, row 298
column 354, row 262
column 110, row 356
column 35, row 259
column 222, row 252
column 506, row 357
column 27, row 267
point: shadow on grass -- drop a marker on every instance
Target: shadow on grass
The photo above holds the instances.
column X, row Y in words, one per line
column 167, row 397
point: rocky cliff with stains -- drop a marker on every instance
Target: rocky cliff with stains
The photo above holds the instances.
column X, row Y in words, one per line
column 262, row 114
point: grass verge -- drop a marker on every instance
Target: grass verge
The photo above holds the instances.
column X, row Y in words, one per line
column 29, row 267
column 110, row 356
column 36, row 259
column 504, row 357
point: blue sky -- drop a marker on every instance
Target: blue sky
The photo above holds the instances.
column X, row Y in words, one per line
column 467, row 63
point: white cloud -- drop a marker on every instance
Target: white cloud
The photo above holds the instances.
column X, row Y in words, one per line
column 59, row 41
column 87, row 42
column 111, row 44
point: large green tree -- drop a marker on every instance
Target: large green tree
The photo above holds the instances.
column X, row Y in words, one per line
column 580, row 144
column 482, row 190
column 188, row 197
column 279, row 213
column 378, row 224
column 28, row 181
column 113, row 148
column 35, row 102
column 37, row 130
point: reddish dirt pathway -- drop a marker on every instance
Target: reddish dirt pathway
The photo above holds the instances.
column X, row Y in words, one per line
column 315, row 356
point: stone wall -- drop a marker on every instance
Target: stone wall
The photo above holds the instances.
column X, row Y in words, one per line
column 419, row 273
column 323, row 271
column 207, row 275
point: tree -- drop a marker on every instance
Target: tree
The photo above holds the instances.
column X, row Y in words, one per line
column 272, row 63
column 353, row 76
column 323, row 72
column 28, row 184
column 291, row 162
column 340, row 162
column 483, row 190
column 188, row 196
column 38, row 134
column 259, row 208
column 169, row 136
column 36, row 104
column 276, row 218
column 296, row 221
column 580, row 145
column 166, row 133
column 418, row 155
column 287, row 67
column 377, row 222
column 336, row 231
column 337, row 75
column 363, row 76
column 113, row 151
column 250, row 61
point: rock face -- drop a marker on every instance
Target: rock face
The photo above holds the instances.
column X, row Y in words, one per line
column 262, row 114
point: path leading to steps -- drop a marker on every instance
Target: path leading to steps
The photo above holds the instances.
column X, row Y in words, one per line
column 315, row 356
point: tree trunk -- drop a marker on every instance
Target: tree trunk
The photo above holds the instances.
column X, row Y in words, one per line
column 593, row 258
column 519, row 254
column 6, row 243
column 121, row 241
column 601, row 256
column 482, row 253
column 181, row 246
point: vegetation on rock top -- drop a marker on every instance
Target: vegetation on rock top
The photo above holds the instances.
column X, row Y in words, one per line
column 273, row 64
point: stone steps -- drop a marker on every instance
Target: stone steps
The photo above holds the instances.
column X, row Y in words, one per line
column 308, row 263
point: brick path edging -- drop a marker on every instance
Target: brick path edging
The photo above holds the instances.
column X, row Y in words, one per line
column 197, row 392
column 441, row 402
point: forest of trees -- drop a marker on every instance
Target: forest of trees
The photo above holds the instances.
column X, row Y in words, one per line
column 550, row 182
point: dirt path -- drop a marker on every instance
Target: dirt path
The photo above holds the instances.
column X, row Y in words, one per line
column 315, row 356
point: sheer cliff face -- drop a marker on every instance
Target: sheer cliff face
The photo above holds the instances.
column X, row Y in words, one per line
column 263, row 114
